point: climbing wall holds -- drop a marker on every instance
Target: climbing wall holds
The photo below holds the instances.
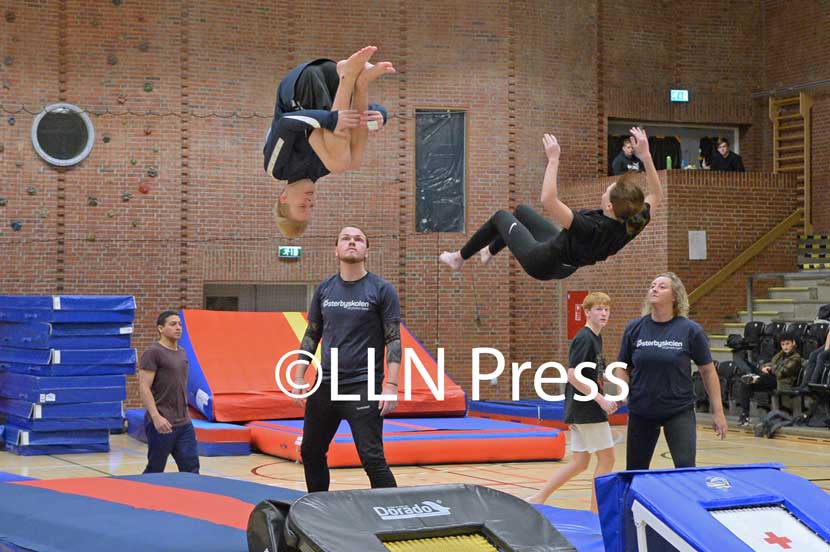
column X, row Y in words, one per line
column 112, row 59
column 12, row 121
column 31, row 190
column 152, row 172
column 126, row 196
column 148, row 86
column 3, row 201
column 92, row 201
column 16, row 225
column 106, row 139
column 144, row 189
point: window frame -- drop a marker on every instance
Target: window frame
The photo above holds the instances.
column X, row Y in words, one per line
column 90, row 142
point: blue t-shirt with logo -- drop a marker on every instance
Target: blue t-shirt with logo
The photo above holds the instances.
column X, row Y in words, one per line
column 659, row 355
column 353, row 315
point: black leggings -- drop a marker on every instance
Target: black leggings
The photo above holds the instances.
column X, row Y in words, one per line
column 322, row 418
column 529, row 237
column 767, row 382
column 815, row 366
column 681, row 436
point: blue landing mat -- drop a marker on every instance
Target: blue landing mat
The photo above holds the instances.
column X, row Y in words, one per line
column 185, row 512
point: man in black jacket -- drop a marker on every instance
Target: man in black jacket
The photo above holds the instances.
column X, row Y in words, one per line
column 626, row 160
column 726, row 160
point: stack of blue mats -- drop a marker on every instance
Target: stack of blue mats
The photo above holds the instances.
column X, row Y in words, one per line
column 63, row 366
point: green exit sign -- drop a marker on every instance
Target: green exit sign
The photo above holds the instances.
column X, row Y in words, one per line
column 289, row 252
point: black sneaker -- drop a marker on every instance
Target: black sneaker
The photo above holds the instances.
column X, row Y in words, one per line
column 743, row 420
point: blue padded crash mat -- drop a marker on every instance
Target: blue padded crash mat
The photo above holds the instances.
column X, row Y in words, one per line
column 45, row 389
column 8, row 314
column 61, row 370
column 69, row 302
column 34, row 411
column 52, row 450
column 42, row 335
column 24, row 437
column 88, row 357
column 72, row 424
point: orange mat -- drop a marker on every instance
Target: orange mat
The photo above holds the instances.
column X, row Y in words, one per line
column 423, row 441
column 233, row 356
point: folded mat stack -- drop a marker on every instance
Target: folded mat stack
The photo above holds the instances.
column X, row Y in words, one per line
column 63, row 366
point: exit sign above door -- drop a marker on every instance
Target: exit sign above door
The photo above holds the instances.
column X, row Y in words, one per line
column 289, row 252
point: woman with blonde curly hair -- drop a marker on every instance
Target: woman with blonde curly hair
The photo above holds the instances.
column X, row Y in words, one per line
column 658, row 350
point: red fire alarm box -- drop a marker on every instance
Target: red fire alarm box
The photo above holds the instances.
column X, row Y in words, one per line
column 576, row 316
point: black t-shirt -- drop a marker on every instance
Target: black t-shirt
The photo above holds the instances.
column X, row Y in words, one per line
column 623, row 164
column 732, row 162
column 585, row 347
column 659, row 355
column 593, row 237
column 353, row 315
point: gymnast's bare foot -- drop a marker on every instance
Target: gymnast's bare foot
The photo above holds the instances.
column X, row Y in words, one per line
column 485, row 256
column 352, row 67
column 453, row 260
column 371, row 72
column 535, row 499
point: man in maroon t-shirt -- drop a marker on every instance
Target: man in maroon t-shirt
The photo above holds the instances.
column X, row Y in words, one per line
column 162, row 386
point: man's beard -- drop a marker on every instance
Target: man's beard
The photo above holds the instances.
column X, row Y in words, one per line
column 352, row 259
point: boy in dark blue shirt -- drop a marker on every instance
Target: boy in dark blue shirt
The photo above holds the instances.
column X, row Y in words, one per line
column 320, row 126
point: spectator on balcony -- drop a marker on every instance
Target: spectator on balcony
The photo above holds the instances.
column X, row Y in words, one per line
column 626, row 160
column 725, row 160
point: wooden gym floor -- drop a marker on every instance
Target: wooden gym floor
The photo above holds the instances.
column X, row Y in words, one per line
column 809, row 458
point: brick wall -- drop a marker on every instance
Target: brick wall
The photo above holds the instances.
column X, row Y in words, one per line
column 797, row 52
column 735, row 211
column 518, row 69
column 709, row 47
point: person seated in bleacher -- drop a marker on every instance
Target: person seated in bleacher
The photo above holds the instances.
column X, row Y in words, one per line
column 780, row 373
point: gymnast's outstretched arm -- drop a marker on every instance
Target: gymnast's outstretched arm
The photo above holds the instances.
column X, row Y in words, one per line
column 655, row 187
column 561, row 213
